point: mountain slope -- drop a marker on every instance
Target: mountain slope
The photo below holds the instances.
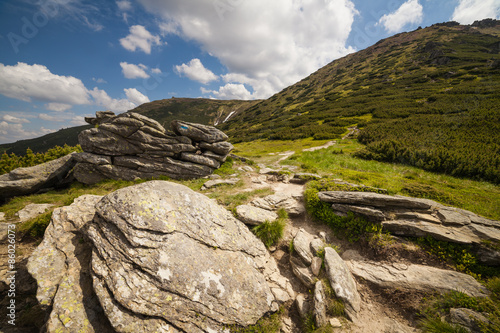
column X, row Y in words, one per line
column 427, row 98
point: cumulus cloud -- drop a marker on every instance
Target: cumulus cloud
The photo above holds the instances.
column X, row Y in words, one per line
column 31, row 83
column 156, row 71
column 230, row 91
column 26, row 82
column 99, row 80
column 195, row 71
column 410, row 12
column 139, row 38
column 469, row 11
column 79, row 120
column 135, row 96
column 14, row 120
column 131, row 71
column 275, row 43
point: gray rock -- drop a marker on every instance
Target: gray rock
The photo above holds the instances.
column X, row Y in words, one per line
column 302, row 245
column 302, row 272
column 316, row 245
column 416, row 277
column 198, row 132
column 220, row 148
column 449, row 215
column 92, row 158
column 342, row 282
column 368, row 212
column 2, row 216
column 218, row 182
column 207, row 270
column 319, row 305
column 335, row 323
column 103, row 142
column 60, row 267
column 148, row 121
column 303, row 305
column 214, row 156
column 280, row 200
column 200, row 159
column 302, row 178
column 31, row 211
column 254, row 216
column 268, row 171
column 316, row 265
column 22, row 181
column 375, row 199
column 468, row 318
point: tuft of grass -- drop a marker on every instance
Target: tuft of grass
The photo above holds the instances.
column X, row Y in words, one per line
column 35, row 227
column 436, row 325
column 270, row 232
column 226, row 168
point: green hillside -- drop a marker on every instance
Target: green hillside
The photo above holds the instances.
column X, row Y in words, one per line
column 427, row 98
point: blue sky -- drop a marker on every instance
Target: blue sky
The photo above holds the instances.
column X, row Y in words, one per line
column 61, row 60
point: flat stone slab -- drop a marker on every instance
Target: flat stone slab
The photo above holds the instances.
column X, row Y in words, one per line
column 31, row 211
column 217, row 182
column 416, row 277
column 255, row 216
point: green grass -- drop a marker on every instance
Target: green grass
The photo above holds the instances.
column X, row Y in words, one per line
column 267, row 324
column 270, row 233
column 482, row 198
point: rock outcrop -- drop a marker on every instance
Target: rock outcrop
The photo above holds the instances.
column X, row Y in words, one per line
column 406, row 216
column 416, row 277
column 130, row 146
column 23, row 181
column 158, row 257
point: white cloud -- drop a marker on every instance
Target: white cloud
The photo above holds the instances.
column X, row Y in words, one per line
column 124, row 5
column 230, row 91
column 102, row 99
column 13, row 132
column 79, row 120
column 469, row 11
column 135, row 96
column 14, row 120
column 271, row 44
column 131, row 71
column 78, row 10
column 195, row 70
column 47, row 117
column 36, row 82
column 139, row 38
column 99, row 80
column 26, row 82
column 59, row 107
column 410, row 12
column 156, row 71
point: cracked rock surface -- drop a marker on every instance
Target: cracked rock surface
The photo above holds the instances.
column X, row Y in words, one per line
column 159, row 257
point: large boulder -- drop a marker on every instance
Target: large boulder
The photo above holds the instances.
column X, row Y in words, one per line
column 131, row 146
column 413, row 217
column 23, row 181
column 162, row 258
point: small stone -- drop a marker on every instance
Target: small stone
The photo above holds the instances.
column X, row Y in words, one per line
column 301, row 244
column 32, row 211
column 322, row 236
column 319, row 304
column 303, row 273
column 316, row 265
column 2, row 216
column 218, row 182
column 316, row 245
column 335, row 323
column 303, row 305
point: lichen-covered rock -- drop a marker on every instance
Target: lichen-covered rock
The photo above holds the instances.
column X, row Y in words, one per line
column 130, row 146
column 60, row 267
column 413, row 217
column 319, row 304
column 416, row 277
column 164, row 251
column 22, row 181
column 342, row 282
column 155, row 257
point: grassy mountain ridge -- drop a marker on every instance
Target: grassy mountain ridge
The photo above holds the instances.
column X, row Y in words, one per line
column 427, row 98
